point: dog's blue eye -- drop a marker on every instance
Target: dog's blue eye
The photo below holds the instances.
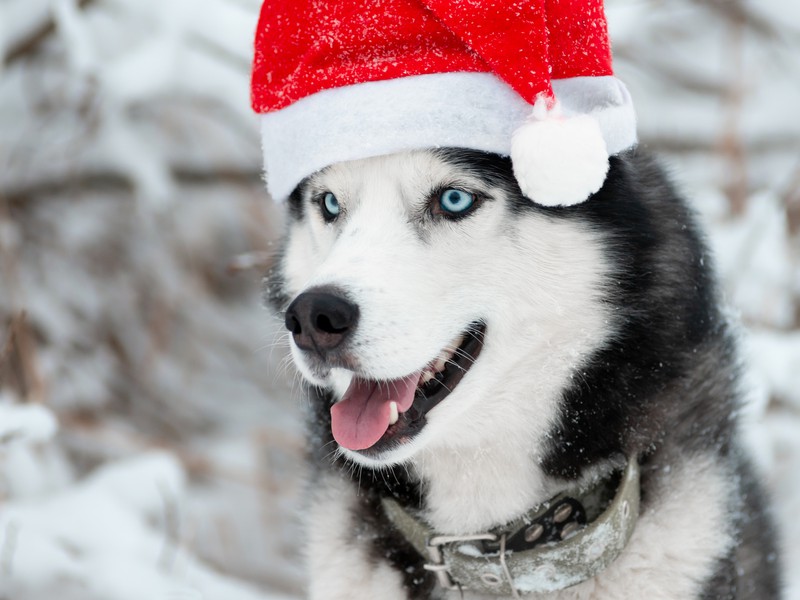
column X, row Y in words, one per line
column 330, row 206
column 456, row 201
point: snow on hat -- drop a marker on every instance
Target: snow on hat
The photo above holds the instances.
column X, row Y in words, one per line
column 530, row 79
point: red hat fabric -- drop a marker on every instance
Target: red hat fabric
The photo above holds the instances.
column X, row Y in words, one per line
column 344, row 80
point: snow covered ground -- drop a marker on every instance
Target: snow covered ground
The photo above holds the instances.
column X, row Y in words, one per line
column 150, row 443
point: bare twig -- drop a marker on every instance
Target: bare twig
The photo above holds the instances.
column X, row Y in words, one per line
column 32, row 41
column 731, row 145
column 683, row 145
column 9, row 270
column 119, row 182
column 18, row 364
column 791, row 196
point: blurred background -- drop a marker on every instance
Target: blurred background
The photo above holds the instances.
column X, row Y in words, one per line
column 150, row 428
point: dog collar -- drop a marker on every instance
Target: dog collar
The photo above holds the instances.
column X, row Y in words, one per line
column 558, row 544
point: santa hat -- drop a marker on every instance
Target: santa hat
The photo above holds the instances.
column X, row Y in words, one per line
column 530, row 79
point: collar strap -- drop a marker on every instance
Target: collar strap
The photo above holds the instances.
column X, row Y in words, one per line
column 554, row 546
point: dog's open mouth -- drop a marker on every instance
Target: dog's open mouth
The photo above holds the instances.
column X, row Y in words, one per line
column 375, row 415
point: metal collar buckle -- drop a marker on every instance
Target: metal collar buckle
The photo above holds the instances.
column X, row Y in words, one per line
column 439, row 568
column 437, row 565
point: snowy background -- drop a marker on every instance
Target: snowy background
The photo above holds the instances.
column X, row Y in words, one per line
column 150, row 447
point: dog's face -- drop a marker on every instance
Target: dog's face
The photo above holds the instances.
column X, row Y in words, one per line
column 440, row 305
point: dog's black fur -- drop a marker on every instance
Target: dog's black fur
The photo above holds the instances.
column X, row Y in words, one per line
column 665, row 387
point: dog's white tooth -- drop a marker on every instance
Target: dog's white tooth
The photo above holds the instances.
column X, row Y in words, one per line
column 440, row 364
column 426, row 377
column 393, row 414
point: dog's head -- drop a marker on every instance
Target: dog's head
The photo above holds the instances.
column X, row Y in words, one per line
column 441, row 306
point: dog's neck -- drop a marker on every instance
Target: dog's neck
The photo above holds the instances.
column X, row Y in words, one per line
column 458, row 502
column 511, row 482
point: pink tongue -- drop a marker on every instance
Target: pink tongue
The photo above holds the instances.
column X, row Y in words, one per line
column 361, row 418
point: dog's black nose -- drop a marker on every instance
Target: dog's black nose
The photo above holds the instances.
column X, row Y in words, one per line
column 321, row 319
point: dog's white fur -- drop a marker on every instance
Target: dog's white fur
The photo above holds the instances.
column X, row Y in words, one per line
column 544, row 317
column 341, row 568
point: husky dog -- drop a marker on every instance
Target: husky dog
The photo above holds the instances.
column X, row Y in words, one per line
column 477, row 361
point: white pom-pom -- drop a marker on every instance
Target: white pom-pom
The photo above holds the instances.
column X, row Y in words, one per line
column 559, row 160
